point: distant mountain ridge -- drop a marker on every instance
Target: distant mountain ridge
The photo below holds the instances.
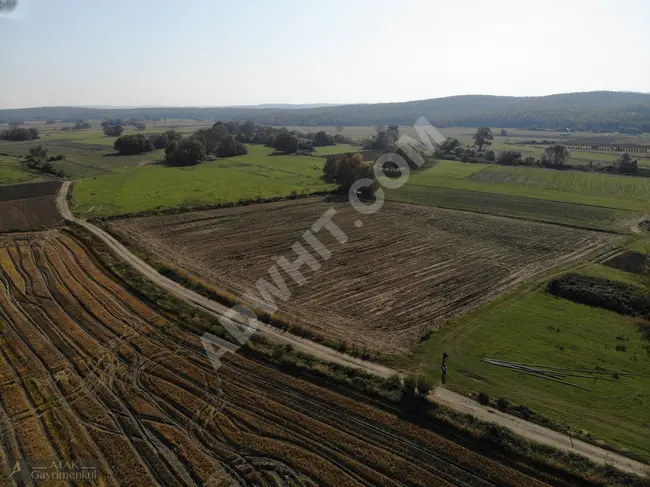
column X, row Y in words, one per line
column 598, row 110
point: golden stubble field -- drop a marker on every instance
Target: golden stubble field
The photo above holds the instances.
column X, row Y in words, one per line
column 89, row 371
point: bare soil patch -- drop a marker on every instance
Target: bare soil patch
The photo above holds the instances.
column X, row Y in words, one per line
column 406, row 270
column 29, row 206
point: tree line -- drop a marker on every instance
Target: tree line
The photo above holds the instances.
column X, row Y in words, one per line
column 223, row 139
column 555, row 155
column 16, row 134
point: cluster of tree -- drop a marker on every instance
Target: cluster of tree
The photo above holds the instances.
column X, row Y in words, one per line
column 626, row 165
column 79, row 125
column 322, row 139
column 184, row 152
column 555, row 155
column 15, row 133
column 161, row 141
column 384, row 139
column 345, row 169
column 124, row 121
column 217, row 141
column 37, row 160
column 113, row 130
column 129, row 145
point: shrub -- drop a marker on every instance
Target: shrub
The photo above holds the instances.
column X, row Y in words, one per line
column 621, row 348
column 425, row 385
column 604, row 293
column 508, row 157
column 503, row 403
column 483, row 398
column 229, row 147
column 410, row 384
column 529, row 161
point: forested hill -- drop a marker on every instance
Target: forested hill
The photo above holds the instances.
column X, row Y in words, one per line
column 601, row 110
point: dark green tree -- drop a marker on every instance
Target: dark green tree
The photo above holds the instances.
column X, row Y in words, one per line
column 555, row 155
column 186, row 152
column 160, row 141
column 113, row 130
column 483, row 137
column 450, row 144
column 287, row 143
column 37, row 155
column 128, row 145
column 626, row 164
column 322, row 139
column 229, row 147
column 210, row 138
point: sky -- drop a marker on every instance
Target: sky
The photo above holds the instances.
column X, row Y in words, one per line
column 247, row 52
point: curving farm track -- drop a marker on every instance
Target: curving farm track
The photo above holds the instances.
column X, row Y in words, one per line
column 88, row 370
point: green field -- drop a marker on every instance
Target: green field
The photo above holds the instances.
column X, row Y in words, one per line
column 611, row 191
column 518, row 207
column 523, row 327
column 602, row 185
column 257, row 174
column 11, row 171
column 83, row 158
column 336, row 149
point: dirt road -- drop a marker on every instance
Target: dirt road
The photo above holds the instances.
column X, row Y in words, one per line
column 443, row 396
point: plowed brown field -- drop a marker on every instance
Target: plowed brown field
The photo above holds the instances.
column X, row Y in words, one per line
column 29, row 206
column 408, row 269
column 89, row 371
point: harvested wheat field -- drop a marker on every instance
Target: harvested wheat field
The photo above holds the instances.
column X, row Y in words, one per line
column 407, row 270
column 29, row 206
column 89, row 371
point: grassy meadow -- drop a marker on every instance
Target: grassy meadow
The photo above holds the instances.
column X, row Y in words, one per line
column 155, row 187
column 532, row 326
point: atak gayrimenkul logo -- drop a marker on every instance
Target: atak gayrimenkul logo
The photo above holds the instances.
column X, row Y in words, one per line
column 48, row 470
column 7, row 5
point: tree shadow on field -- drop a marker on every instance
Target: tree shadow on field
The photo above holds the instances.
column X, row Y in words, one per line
column 644, row 328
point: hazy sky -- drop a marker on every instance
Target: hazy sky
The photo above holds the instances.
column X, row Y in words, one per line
column 213, row 52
